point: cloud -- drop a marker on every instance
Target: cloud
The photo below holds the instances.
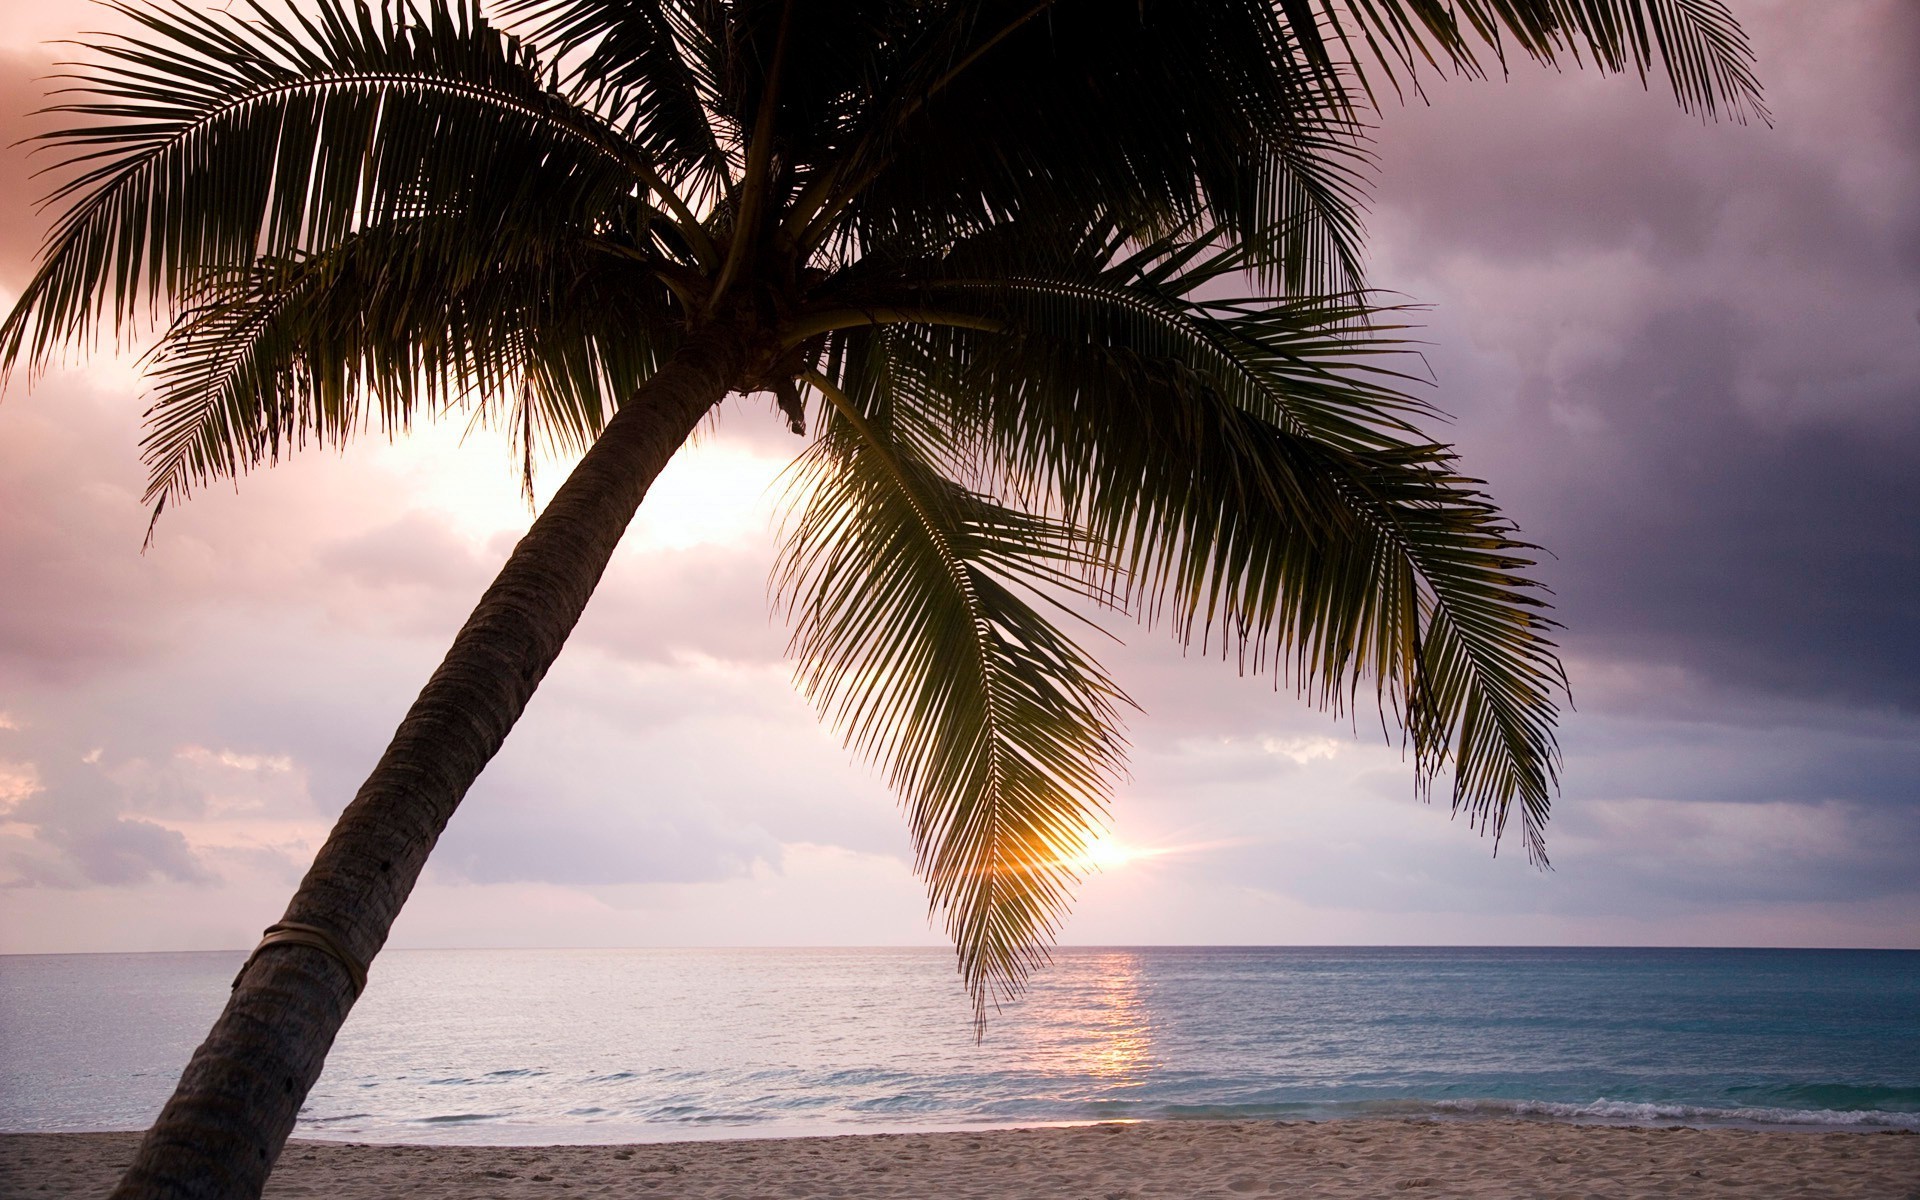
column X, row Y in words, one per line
column 71, row 606
column 1687, row 356
column 22, row 90
column 682, row 772
column 590, row 839
column 660, row 604
column 74, row 831
column 1783, row 560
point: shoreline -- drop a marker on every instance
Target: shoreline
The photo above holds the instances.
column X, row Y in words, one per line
column 506, row 1133
column 506, row 1130
column 1472, row 1158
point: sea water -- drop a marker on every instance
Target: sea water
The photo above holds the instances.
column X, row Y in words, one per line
column 612, row 1045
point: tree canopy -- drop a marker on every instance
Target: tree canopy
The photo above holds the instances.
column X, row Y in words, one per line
column 1070, row 295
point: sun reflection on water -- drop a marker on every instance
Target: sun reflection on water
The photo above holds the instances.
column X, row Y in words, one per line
column 1098, row 1027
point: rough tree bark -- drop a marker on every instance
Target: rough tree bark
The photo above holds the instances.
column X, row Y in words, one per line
column 219, row 1135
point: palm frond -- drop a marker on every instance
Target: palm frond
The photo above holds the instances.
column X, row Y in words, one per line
column 211, row 141
column 1702, row 49
column 1263, row 485
column 1179, row 114
column 651, row 68
column 999, row 734
column 315, row 346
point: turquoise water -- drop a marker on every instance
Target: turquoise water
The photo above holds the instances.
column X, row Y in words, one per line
column 614, row 1045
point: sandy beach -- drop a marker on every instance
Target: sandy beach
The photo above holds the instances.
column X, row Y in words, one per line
column 1479, row 1160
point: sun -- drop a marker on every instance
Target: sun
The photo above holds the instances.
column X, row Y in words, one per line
column 1104, row 853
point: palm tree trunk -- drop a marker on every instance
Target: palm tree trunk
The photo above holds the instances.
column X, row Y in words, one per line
column 236, row 1102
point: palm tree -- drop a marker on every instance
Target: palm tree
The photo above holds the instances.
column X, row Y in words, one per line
column 1069, row 293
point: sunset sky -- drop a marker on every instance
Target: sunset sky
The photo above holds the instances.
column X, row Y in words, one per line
column 1686, row 356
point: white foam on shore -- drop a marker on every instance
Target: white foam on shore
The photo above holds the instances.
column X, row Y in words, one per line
column 1627, row 1112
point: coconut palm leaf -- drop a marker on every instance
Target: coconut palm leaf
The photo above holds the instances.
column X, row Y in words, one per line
column 1704, row 52
column 314, row 347
column 998, row 733
column 1260, row 483
column 212, row 142
column 652, row 69
column 945, row 147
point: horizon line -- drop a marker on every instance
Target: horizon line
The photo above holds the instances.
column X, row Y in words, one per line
column 1101, row 947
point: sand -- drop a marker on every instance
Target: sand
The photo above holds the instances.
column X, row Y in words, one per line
column 1479, row 1160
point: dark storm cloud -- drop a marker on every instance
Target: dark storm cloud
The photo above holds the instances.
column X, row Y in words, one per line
column 1525, row 168
column 1759, row 761
column 1785, row 560
column 1688, row 357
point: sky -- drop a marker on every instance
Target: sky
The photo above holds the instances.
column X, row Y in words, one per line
column 1686, row 357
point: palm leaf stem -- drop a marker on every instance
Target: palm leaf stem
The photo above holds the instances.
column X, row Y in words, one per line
column 834, row 319
column 679, row 279
column 816, row 207
column 756, row 180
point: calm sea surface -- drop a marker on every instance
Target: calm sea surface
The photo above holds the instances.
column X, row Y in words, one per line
column 616, row 1045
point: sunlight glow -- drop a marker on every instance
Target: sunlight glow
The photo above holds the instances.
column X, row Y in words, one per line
column 714, row 492
column 718, row 492
column 17, row 782
column 1106, row 852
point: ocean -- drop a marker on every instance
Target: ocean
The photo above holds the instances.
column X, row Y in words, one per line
column 540, row 1046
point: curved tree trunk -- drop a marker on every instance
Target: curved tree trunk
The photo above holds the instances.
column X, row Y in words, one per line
column 235, row 1104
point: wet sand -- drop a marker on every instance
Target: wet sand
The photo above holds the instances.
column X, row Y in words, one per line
column 1480, row 1160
